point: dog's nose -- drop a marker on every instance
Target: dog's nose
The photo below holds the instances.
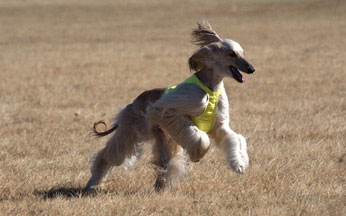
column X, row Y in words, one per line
column 251, row 69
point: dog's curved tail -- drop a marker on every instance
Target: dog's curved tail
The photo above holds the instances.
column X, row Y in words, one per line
column 104, row 133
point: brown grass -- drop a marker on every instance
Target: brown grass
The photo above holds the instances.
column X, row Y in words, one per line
column 66, row 64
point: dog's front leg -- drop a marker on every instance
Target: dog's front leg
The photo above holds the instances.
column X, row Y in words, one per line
column 182, row 130
column 173, row 113
column 235, row 147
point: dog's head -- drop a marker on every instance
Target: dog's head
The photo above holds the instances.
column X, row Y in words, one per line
column 225, row 57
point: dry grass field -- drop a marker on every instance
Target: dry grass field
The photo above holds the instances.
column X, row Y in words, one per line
column 66, row 64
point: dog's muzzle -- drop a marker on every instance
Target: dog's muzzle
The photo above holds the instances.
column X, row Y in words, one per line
column 236, row 74
column 251, row 69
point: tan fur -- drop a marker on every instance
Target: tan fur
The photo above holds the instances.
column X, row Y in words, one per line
column 204, row 35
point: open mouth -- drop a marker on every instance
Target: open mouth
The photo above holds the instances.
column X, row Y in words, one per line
column 236, row 74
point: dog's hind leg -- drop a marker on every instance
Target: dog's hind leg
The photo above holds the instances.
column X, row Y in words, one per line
column 169, row 159
column 131, row 129
column 112, row 154
column 99, row 170
column 162, row 154
column 176, row 166
column 120, row 146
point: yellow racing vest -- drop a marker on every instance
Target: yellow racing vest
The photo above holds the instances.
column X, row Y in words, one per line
column 205, row 121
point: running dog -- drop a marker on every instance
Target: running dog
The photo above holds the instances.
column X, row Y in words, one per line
column 181, row 119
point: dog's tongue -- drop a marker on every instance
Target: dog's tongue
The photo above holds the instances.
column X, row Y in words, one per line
column 242, row 79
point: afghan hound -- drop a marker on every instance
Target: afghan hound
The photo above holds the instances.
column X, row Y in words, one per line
column 182, row 119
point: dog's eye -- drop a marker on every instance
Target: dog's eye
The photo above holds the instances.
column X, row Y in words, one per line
column 232, row 54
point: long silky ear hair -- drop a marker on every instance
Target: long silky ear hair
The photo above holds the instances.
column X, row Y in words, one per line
column 198, row 60
column 204, row 34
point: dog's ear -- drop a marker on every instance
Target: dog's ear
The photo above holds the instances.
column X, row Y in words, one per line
column 199, row 59
column 204, row 34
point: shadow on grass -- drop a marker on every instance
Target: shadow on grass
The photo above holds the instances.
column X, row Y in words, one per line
column 67, row 192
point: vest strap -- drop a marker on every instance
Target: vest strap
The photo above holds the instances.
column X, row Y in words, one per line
column 204, row 121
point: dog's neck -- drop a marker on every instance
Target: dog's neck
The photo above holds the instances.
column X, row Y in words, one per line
column 210, row 79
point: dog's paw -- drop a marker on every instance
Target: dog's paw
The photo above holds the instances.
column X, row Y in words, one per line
column 239, row 159
column 238, row 165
